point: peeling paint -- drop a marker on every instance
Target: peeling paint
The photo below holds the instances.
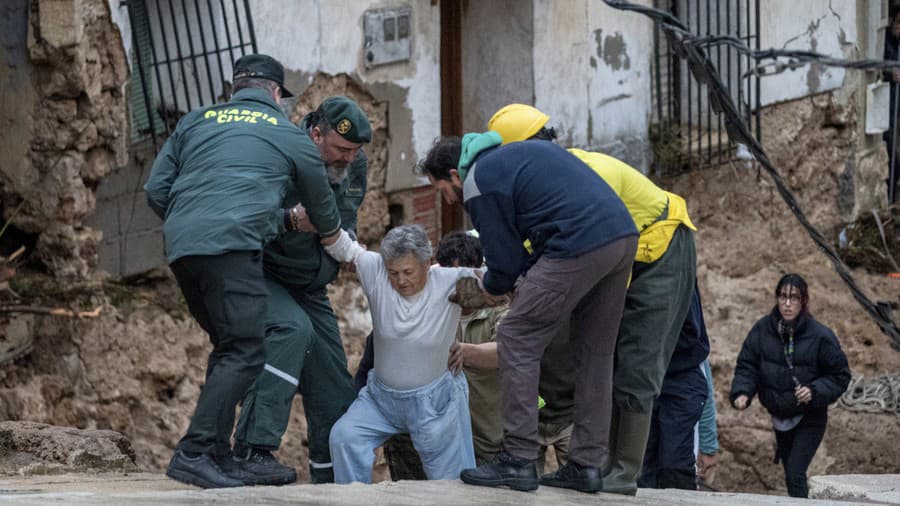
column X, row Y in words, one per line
column 616, row 98
column 810, row 30
column 815, row 71
column 590, row 126
column 615, row 52
column 831, row 8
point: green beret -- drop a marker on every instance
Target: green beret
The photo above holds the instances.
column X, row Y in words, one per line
column 347, row 119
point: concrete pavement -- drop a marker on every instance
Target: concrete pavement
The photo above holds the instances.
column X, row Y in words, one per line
column 155, row 489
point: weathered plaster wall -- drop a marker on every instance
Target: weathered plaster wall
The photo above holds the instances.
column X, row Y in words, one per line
column 592, row 75
column 815, row 25
column 497, row 62
column 310, row 36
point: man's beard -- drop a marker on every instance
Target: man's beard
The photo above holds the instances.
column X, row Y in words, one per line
column 336, row 175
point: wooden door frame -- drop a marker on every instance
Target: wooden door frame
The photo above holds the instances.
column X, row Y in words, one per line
column 451, row 94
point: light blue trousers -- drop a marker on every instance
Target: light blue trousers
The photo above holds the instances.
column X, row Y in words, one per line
column 436, row 416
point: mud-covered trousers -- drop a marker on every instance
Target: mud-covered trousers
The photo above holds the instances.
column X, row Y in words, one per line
column 303, row 349
column 435, row 415
column 226, row 294
column 591, row 288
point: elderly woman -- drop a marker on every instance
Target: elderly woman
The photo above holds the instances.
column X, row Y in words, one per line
column 796, row 367
column 410, row 388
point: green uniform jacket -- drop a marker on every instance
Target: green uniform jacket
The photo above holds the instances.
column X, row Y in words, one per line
column 222, row 175
column 296, row 259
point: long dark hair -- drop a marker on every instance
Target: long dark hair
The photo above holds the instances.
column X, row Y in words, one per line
column 797, row 281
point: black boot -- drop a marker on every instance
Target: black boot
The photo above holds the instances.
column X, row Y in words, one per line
column 255, row 466
column 796, row 485
column 202, row 471
column 505, row 470
column 575, row 476
column 685, row 479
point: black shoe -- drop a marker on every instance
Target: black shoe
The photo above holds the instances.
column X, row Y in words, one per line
column 201, row 470
column 575, row 476
column 255, row 466
column 505, row 470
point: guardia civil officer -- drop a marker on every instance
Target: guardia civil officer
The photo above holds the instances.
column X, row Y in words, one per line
column 219, row 182
column 303, row 344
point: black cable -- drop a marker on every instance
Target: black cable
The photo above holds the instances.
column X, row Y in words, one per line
column 689, row 47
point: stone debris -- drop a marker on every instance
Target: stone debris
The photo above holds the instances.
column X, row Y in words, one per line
column 29, row 448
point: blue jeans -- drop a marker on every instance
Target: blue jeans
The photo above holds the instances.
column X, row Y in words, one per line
column 436, row 416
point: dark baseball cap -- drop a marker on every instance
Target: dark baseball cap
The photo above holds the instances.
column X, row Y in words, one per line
column 261, row 66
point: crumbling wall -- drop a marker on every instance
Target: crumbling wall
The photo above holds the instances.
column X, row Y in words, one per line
column 66, row 116
column 373, row 214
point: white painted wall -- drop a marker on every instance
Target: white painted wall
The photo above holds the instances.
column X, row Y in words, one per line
column 319, row 35
column 309, row 36
column 823, row 26
column 597, row 93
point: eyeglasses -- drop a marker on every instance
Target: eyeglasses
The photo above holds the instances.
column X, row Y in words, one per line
column 792, row 298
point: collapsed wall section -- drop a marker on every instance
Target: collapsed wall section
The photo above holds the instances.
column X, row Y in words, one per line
column 65, row 109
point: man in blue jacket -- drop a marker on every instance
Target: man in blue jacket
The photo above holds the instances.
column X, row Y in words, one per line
column 583, row 243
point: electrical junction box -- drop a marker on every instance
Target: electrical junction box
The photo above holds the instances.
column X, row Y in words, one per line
column 388, row 35
column 878, row 99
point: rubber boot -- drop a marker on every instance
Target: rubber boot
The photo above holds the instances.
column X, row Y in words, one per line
column 796, row 485
column 628, row 443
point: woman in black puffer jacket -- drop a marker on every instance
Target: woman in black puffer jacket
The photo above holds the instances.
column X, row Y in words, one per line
column 797, row 368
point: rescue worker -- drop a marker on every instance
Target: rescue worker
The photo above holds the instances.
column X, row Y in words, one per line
column 658, row 298
column 583, row 246
column 303, row 344
column 218, row 183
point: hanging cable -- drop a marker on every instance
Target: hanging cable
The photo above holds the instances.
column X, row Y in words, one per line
column 689, row 47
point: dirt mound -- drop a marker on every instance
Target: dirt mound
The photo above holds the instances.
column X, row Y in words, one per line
column 35, row 448
column 747, row 239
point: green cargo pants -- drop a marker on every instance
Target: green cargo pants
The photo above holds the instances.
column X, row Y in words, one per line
column 656, row 304
column 303, row 351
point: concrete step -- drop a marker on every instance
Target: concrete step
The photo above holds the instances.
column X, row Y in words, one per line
column 148, row 488
column 879, row 488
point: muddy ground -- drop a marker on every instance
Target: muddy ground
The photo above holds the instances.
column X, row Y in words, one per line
column 137, row 368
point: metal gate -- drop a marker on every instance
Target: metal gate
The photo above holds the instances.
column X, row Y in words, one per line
column 182, row 57
column 684, row 130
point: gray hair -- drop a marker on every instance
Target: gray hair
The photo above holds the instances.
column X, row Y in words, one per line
column 406, row 240
column 254, row 82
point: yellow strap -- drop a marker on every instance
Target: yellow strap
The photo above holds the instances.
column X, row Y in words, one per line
column 655, row 239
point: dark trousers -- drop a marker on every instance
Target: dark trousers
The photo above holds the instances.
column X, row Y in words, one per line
column 796, row 449
column 658, row 300
column 403, row 460
column 669, row 461
column 226, row 295
column 591, row 288
column 303, row 349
